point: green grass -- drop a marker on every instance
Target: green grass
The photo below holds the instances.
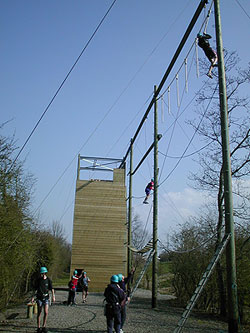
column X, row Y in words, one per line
column 62, row 281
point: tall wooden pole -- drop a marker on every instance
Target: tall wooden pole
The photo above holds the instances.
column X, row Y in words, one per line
column 233, row 313
column 130, row 209
column 155, row 209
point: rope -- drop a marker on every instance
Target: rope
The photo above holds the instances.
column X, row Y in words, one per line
column 190, row 139
column 190, row 250
column 61, row 85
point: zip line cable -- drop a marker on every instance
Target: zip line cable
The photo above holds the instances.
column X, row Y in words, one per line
column 61, row 85
column 60, row 177
column 191, row 154
column 190, row 250
column 242, row 8
column 50, row 103
column 87, row 138
column 98, row 125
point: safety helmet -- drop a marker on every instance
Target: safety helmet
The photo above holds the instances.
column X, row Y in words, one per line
column 119, row 277
column 114, row 278
column 43, row 270
column 152, row 179
column 84, row 273
column 75, row 272
column 199, row 35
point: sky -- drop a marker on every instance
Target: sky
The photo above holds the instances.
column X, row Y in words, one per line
column 103, row 99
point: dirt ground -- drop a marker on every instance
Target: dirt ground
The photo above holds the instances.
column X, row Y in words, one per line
column 88, row 317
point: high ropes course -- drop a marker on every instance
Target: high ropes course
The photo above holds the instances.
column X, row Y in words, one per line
column 152, row 247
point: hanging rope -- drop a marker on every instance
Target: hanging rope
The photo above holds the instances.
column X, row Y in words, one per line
column 162, row 110
column 186, row 76
column 197, row 58
column 207, row 19
column 169, row 112
column 177, row 90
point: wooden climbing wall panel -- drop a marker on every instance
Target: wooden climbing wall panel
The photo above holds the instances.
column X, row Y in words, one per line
column 99, row 229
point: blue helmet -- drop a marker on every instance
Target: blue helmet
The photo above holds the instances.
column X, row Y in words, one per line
column 114, row 278
column 119, row 277
column 199, row 35
column 43, row 270
column 75, row 272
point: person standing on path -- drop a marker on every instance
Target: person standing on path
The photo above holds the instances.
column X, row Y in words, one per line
column 42, row 287
column 114, row 296
column 84, row 282
column 72, row 289
column 122, row 283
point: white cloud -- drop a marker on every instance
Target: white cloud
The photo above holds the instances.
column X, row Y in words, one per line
column 174, row 209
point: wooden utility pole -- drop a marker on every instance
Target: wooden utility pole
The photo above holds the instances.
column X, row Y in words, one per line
column 130, row 208
column 233, row 313
column 155, row 209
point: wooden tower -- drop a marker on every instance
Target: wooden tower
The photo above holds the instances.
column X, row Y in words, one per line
column 99, row 228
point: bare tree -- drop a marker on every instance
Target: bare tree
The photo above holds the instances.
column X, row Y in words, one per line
column 210, row 176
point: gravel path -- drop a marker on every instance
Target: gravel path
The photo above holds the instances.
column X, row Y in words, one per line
column 89, row 317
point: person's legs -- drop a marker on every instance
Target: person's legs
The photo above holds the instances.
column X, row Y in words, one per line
column 86, row 293
column 74, row 297
column 39, row 312
column 110, row 322
column 147, row 191
column 213, row 60
column 117, row 321
column 123, row 315
column 46, row 311
column 71, row 297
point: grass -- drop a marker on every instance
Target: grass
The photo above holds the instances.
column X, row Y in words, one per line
column 63, row 280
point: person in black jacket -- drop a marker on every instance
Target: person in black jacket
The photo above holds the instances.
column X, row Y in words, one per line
column 209, row 52
column 124, row 284
column 114, row 297
column 42, row 286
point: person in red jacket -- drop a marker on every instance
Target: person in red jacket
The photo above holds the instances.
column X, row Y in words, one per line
column 72, row 289
column 148, row 189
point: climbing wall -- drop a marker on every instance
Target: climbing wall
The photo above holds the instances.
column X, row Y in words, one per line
column 99, row 229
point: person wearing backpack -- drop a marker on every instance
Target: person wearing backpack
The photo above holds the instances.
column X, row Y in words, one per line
column 114, row 296
column 123, row 283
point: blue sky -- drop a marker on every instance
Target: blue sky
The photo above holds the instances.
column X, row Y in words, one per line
column 102, row 102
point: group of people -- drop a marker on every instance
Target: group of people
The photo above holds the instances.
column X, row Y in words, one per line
column 117, row 296
column 78, row 283
column 42, row 287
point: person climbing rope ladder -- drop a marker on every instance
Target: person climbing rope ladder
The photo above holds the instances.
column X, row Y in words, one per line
column 148, row 189
column 209, row 52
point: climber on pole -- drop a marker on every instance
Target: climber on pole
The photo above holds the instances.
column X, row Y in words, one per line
column 209, row 52
column 148, row 189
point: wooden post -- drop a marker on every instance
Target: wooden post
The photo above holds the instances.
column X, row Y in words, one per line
column 35, row 308
column 30, row 310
